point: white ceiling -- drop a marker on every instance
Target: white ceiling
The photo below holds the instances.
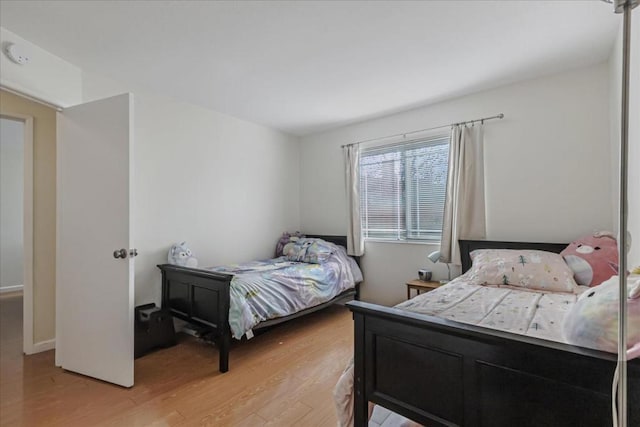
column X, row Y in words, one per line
column 303, row 67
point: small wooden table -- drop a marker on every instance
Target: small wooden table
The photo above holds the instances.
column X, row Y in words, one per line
column 421, row 286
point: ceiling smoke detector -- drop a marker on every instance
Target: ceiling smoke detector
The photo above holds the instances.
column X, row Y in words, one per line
column 16, row 54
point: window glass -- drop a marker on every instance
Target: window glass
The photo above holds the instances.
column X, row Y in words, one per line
column 402, row 190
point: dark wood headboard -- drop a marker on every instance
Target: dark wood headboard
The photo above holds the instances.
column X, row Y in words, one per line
column 468, row 246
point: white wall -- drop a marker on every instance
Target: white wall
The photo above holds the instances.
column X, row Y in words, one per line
column 227, row 186
column 547, row 170
column 45, row 76
column 11, row 204
column 633, row 193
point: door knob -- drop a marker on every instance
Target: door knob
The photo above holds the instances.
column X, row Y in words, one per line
column 120, row 253
column 133, row 252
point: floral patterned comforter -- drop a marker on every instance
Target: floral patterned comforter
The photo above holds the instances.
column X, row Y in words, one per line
column 268, row 289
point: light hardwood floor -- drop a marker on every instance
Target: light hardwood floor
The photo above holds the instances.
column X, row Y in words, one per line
column 281, row 378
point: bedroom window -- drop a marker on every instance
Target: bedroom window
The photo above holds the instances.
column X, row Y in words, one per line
column 402, row 189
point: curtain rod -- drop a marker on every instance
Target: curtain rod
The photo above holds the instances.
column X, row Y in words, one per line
column 404, row 134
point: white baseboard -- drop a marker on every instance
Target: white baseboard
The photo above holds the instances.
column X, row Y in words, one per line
column 7, row 289
column 44, row 346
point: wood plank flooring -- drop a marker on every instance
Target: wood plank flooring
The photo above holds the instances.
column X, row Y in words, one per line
column 283, row 377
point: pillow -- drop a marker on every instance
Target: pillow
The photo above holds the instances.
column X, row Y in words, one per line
column 593, row 322
column 286, row 238
column 313, row 251
column 592, row 258
column 529, row 269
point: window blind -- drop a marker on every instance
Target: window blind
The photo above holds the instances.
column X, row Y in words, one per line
column 402, row 189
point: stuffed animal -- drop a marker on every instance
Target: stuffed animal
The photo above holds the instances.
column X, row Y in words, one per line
column 286, row 238
column 592, row 258
column 180, row 254
column 593, row 320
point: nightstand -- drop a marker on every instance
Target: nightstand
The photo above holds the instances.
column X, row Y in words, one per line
column 421, row 286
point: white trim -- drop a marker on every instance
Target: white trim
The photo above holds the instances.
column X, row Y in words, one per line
column 27, row 312
column 27, row 290
column 7, row 289
column 23, row 92
column 41, row 346
column 404, row 242
column 59, row 335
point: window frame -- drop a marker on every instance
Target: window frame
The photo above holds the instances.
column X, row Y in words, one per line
column 403, row 235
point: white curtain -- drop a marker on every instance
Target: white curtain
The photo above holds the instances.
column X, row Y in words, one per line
column 464, row 209
column 355, row 244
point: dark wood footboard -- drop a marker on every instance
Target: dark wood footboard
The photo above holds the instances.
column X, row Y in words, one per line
column 200, row 297
column 443, row 373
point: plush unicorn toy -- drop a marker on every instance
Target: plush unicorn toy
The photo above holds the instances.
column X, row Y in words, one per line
column 593, row 321
column 180, row 254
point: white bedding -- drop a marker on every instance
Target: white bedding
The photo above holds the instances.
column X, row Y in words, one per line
column 520, row 311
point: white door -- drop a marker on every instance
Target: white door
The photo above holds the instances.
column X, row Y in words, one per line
column 94, row 288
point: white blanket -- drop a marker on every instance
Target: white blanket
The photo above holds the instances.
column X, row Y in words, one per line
column 378, row 416
column 516, row 310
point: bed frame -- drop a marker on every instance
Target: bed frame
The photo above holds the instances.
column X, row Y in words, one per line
column 201, row 297
column 443, row 373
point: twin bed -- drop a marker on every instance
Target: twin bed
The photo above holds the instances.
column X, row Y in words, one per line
column 439, row 371
column 233, row 301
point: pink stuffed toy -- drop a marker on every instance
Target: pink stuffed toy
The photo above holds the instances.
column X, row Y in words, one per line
column 593, row 259
column 593, row 320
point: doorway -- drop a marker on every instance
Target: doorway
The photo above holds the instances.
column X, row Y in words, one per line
column 16, row 231
column 11, row 206
column 39, row 218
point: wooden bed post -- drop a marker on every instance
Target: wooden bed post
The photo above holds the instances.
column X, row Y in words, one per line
column 164, row 300
column 224, row 337
column 225, row 344
column 361, row 406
